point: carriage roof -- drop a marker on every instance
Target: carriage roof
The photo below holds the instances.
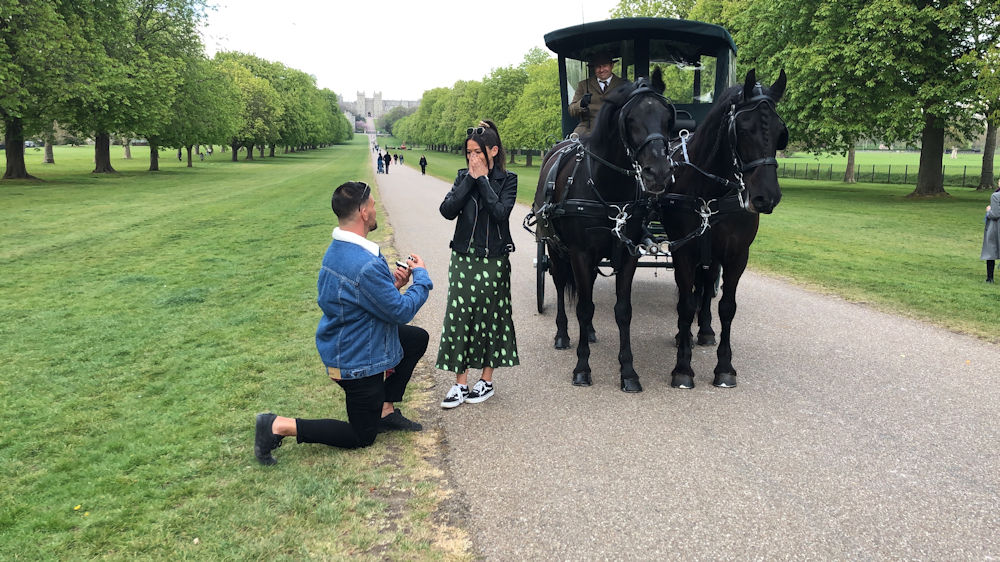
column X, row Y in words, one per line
column 640, row 43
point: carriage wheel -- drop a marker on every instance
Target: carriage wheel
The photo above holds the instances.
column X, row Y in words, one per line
column 541, row 265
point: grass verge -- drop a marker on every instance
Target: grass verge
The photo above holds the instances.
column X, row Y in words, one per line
column 144, row 319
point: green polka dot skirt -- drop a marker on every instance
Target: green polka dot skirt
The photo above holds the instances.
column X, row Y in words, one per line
column 478, row 326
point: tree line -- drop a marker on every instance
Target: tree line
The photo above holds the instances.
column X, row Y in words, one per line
column 137, row 69
column 916, row 72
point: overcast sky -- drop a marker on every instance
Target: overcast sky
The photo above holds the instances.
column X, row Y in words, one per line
column 399, row 48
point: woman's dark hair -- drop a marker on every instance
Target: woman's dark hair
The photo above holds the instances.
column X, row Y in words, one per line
column 489, row 137
column 349, row 197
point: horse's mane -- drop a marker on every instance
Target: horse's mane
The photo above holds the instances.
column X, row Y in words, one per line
column 605, row 132
column 707, row 142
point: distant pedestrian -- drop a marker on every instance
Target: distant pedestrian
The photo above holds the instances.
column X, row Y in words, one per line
column 388, row 160
column 379, row 160
column 395, row 158
column 201, row 155
column 991, row 234
column 400, row 158
column 423, row 165
column 179, row 155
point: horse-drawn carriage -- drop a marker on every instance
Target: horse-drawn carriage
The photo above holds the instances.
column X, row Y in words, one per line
column 643, row 184
column 697, row 59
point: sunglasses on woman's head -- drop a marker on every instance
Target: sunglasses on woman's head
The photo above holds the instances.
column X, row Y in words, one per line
column 476, row 130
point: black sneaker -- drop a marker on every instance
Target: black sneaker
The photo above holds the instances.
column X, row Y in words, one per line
column 480, row 392
column 397, row 422
column 264, row 441
column 456, row 395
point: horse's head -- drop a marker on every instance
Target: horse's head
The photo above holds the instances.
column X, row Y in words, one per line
column 643, row 119
column 755, row 134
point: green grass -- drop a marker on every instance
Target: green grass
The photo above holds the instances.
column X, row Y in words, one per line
column 868, row 242
column 144, row 319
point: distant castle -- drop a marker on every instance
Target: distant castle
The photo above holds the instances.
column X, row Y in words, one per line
column 374, row 107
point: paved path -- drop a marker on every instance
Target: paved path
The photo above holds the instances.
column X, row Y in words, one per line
column 852, row 433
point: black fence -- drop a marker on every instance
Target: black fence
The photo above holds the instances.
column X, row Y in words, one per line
column 954, row 175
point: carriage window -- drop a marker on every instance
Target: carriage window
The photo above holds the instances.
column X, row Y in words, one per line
column 577, row 69
column 688, row 73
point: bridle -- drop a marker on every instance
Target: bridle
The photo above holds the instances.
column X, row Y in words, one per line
column 739, row 107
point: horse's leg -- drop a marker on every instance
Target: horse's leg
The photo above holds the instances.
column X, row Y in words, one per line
column 684, row 271
column 560, row 269
column 725, row 374
column 584, row 316
column 562, row 321
column 591, row 332
column 705, row 293
column 623, row 316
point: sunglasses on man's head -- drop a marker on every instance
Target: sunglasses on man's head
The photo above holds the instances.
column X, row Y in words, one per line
column 476, row 130
column 364, row 194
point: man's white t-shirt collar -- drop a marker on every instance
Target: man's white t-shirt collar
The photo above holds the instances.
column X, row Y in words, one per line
column 345, row 236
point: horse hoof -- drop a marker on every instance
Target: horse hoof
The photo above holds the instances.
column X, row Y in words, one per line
column 706, row 339
column 631, row 385
column 725, row 380
column 592, row 336
column 562, row 342
column 682, row 381
column 581, row 379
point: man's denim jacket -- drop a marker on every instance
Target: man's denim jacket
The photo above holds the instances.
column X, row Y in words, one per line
column 362, row 310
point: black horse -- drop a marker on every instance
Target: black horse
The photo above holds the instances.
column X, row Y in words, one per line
column 726, row 177
column 592, row 198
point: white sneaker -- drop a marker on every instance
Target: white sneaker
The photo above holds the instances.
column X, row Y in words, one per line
column 480, row 392
column 456, row 395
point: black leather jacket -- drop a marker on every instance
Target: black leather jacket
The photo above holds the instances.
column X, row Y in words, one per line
column 483, row 210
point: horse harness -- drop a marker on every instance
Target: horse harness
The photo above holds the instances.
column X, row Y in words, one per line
column 736, row 200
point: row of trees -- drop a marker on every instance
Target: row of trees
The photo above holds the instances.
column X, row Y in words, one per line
column 907, row 71
column 137, row 69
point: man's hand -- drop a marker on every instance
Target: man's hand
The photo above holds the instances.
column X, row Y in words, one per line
column 415, row 261
column 401, row 276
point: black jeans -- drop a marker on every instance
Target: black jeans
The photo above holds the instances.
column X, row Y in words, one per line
column 364, row 398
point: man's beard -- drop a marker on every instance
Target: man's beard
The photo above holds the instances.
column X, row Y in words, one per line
column 373, row 227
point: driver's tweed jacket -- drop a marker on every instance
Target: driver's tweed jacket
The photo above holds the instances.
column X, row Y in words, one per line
column 587, row 116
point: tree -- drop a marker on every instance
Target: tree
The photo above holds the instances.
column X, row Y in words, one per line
column 535, row 119
column 41, row 57
column 395, row 114
column 260, row 107
column 892, row 69
column 678, row 9
column 138, row 46
column 205, row 110
column 501, row 90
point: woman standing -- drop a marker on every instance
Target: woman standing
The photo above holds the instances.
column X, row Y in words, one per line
column 478, row 329
column 991, row 234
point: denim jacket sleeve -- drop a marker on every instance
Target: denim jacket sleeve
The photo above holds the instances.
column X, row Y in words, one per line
column 383, row 298
column 460, row 191
column 499, row 206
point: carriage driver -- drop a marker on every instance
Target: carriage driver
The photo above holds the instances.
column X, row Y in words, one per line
column 589, row 95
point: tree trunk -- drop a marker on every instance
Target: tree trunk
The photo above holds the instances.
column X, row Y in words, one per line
column 102, row 154
column 261, row 148
column 188, row 147
column 236, row 149
column 13, row 138
column 50, row 139
column 849, row 172
column 127, row 143
column 527, row 161
column 930, row 182
column 249, row 148
column 511, row 157
column 271, row 153
column 986, row 179
column 154, row 156
column 223, row 148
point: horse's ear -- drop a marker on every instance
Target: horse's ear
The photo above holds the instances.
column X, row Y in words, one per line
column 778, row 88
column 749, row 84
column 658, row 84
